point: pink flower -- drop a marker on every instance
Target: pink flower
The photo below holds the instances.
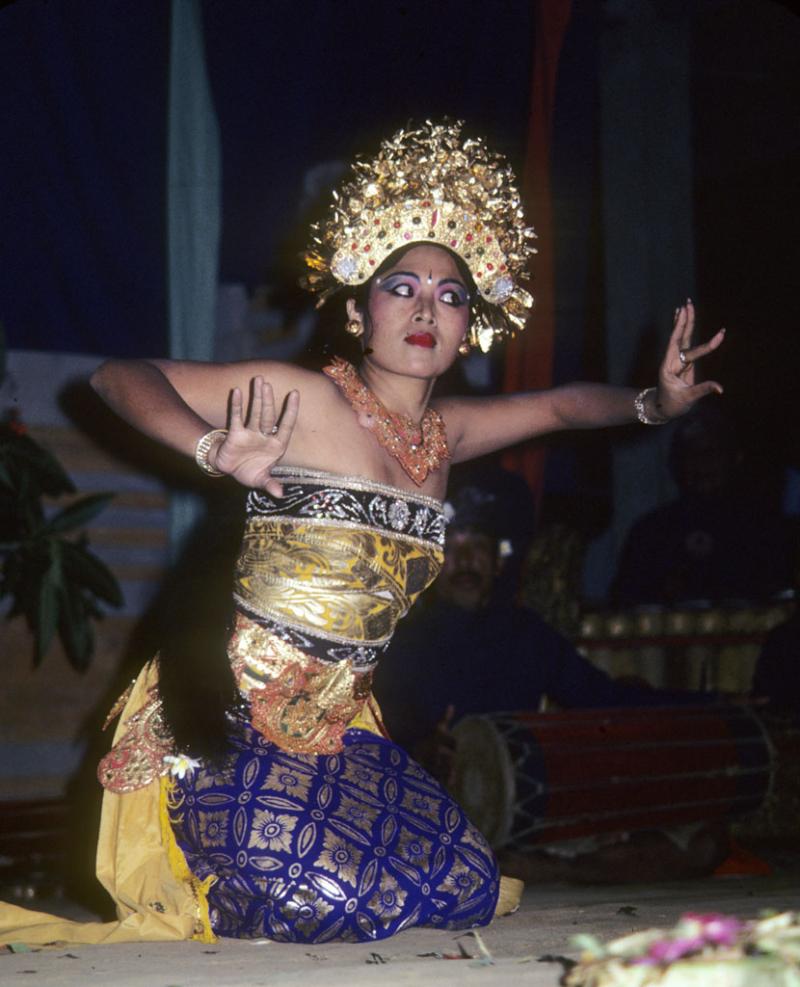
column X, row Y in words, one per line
column 692, row 934
column 717, row 930
column 669, row 950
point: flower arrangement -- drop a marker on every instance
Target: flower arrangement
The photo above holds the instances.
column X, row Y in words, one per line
column 46, row 569
column 700, row 949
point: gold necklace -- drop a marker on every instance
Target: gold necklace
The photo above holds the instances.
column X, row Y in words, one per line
column 419, row 449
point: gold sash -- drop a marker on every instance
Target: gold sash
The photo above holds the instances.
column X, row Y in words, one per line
column 346, row 584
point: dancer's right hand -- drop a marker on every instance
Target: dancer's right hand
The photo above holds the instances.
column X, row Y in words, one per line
column 255, row 444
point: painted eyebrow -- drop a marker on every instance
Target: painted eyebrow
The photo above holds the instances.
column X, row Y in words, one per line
column 403, row 274
column 416, row 277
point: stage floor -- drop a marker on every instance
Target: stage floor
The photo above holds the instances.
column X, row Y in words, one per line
column 549, row 915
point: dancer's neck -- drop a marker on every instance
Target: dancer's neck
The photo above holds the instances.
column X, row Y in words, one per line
column 398, row 394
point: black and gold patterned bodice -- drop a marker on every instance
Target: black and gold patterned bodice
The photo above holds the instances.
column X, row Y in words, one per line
column 324, row 574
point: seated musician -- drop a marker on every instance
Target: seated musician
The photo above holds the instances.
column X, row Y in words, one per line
column 776, row 679
column 721, row 538
column 469, row 652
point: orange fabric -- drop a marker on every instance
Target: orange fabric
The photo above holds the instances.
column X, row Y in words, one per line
column 742, row 862
column 529, row 356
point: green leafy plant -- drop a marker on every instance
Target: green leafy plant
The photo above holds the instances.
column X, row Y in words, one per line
column 46, row 568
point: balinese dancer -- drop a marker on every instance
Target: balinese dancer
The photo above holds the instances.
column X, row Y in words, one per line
column 259, row 796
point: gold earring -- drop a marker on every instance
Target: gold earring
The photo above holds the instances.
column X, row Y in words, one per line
column 464, row 348
column 354, row 327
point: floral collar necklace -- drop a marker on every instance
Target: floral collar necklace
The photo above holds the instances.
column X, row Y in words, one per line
column 419, row 449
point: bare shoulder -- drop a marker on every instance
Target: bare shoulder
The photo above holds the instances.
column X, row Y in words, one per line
column 284, row 377
column 206, row 387
column 479, row 425
column 451, row 409
column 191, row 379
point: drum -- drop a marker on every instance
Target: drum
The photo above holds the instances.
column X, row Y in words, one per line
column 776, row 820
column 528, row 778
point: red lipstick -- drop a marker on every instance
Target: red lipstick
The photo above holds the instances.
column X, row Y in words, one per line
column 424, row 339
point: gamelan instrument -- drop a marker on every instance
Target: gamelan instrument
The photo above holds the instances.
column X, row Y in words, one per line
column 529, row 778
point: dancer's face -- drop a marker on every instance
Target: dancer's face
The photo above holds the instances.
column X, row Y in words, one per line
column 417, row 313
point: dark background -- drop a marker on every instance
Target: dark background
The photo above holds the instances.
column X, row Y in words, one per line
column 83, row 105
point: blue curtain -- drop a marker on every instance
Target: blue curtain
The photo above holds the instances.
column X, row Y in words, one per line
column 82, row 252
column 193, row 213
column 193, row 198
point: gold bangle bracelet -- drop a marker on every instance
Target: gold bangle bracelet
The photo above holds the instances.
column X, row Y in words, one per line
column 203, row 448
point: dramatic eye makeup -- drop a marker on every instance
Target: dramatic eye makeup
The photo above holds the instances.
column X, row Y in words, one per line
column 404, row 284
column 400, row 283
column 454, row 293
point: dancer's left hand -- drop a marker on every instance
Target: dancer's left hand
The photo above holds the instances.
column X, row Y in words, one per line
column 677, row 390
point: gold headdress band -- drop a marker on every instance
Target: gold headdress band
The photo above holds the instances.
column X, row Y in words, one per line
column 431, row 186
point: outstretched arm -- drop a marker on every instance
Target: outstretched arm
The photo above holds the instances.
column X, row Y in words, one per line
column 177, row 403
column 476, row 426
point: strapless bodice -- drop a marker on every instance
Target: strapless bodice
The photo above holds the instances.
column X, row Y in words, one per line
column 323, row 576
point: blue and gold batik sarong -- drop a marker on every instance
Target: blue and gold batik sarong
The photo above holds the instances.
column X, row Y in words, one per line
column 350, row 846
column 315, row 826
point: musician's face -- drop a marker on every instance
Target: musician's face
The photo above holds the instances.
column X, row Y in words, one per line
column 470, row 569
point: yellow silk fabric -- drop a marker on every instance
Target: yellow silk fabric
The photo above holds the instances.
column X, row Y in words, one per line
column 132, row 864
column 343, row 583
column 138, row 863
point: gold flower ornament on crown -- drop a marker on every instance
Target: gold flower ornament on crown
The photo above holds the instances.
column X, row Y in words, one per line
column 430, row 185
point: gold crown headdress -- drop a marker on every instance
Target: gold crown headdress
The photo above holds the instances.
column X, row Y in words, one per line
column 431, row 186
